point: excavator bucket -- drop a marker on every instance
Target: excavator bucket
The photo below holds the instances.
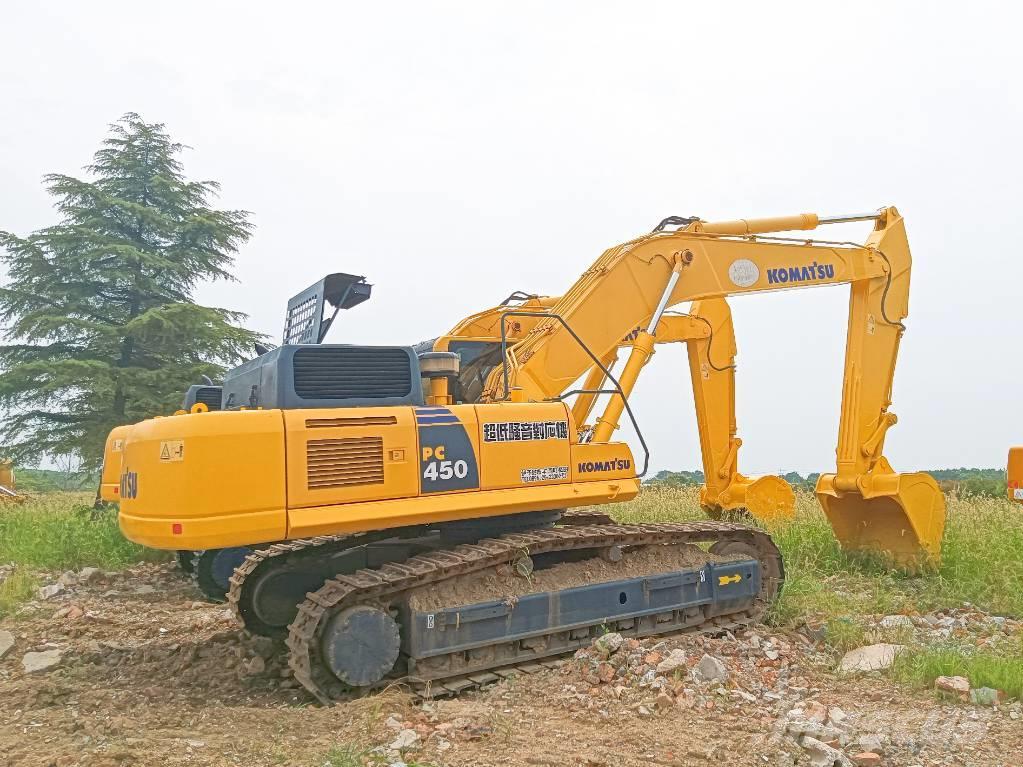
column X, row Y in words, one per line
column 901, row 516
column 770, row 498
column 766, row 498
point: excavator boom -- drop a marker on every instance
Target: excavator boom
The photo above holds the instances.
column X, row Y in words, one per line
column 869, row 505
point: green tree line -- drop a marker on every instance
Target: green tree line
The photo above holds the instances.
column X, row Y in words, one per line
column 989, row 482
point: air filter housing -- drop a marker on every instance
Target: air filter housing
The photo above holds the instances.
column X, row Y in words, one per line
column 210, row 396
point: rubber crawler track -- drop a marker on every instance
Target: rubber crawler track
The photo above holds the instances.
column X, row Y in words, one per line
column 196, row 576
column 294, row 551
column 290, row 553
column 386, row 584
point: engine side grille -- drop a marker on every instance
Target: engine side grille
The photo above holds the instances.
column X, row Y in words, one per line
column 344, row 462
column 209, row 396
column 368, row 420
column 352, row 372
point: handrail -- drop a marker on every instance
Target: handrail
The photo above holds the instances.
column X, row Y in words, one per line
column 617, row 390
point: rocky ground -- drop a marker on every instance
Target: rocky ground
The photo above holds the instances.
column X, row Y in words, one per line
column 118, row 669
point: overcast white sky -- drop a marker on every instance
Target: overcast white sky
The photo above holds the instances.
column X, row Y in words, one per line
column 454, row 152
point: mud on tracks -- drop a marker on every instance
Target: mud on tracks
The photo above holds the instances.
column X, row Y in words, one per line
column 505, row 582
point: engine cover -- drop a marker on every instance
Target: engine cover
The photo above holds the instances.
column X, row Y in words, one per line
column 325, row 375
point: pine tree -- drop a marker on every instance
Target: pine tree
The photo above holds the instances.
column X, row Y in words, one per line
column 98, row 315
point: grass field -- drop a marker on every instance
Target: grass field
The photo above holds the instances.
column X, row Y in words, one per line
column 982, row 559
column 59, row 531
column 982, row 563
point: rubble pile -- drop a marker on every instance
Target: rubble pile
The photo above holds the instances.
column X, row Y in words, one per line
column 765, row 677
column 204, row 650
column 962, row 624
column 696, row 671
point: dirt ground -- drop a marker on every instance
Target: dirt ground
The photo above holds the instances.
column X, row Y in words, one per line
column 148, row 675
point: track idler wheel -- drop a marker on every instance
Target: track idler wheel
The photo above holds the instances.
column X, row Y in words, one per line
column 212, row 569
column 269, row 602
column 360, row 645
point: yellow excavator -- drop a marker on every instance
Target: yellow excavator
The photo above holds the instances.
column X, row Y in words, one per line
column 1014, row 474
column 8, row 492
column 424, row 531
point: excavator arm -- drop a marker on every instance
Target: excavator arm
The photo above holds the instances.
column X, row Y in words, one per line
column 712, row 370
column 631, row 285
column 707, row 330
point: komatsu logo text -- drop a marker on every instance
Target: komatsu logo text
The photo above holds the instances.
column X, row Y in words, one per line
column 615, row 464
column 809, row 273
column 129, row 485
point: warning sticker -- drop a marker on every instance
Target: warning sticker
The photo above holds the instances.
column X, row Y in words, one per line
column 172, row 450
column 1017, row 494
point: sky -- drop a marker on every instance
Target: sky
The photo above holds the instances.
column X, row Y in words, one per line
column 455, row 152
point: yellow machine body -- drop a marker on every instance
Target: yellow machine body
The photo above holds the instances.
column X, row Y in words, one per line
column 1014, row 474
column 220, row 479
